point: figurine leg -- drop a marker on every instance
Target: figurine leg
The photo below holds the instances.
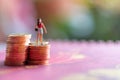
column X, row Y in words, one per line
column 41, row 39
column 37, row 38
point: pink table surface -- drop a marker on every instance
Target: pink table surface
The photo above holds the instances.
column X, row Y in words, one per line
column 68, row 58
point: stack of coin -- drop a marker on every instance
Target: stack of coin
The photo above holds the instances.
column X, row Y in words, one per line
column 16, row 49
column 38, row 55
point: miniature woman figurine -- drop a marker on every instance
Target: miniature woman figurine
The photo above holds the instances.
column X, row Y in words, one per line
column 39, row 28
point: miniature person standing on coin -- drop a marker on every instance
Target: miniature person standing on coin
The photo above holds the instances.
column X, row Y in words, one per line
column 39, row 28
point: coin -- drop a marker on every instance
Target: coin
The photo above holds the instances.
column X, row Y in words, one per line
column 16, row 50
column 38, row 54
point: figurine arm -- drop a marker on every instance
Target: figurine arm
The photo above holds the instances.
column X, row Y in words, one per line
column 44, row 28
column 36, row 26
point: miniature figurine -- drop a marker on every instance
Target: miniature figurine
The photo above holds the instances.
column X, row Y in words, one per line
column 39, row 28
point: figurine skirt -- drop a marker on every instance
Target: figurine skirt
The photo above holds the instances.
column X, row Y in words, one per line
column 40, row 30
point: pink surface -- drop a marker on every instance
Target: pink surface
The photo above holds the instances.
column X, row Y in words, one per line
column 67, row 57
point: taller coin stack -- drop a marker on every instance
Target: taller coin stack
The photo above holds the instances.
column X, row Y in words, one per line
column 38, row 55
column 17, row 49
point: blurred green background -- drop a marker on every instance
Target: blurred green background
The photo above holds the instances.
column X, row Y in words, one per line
column 81, row 19
column 76, row 19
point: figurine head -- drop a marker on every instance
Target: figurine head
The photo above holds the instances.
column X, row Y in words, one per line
column 39, row 20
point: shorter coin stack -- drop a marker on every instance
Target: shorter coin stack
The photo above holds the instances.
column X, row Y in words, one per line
column 38, row 55
column 17, row 49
